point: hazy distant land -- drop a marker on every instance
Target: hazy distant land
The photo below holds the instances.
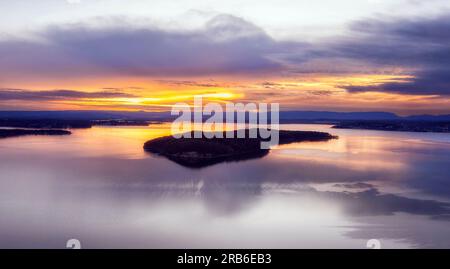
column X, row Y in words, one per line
column 383, row 121
column 399, row 126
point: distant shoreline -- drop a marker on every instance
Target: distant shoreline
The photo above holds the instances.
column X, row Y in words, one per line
column 7, row 133
column 396, row 126
column 68, row 124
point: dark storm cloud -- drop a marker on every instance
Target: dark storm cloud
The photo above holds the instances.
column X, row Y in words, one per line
column 21, row 94
column 425, row 82
column 421, row 46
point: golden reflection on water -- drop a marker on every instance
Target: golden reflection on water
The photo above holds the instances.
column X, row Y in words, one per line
column 119, row 142
column 357, row 153
column 361, row 150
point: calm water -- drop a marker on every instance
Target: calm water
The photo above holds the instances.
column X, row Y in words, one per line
column 100, row 187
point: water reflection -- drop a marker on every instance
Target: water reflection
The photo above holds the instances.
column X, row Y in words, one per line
column 100, row 187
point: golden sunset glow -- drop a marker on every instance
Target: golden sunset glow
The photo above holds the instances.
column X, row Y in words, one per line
column 312, row 92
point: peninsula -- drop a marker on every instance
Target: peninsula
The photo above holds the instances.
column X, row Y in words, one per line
column 5, row 133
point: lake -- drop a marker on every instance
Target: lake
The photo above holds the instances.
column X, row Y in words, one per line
column 100, row 187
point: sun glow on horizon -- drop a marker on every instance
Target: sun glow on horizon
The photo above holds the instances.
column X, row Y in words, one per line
column 312, row 92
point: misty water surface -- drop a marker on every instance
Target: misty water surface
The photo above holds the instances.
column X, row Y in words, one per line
column 99, row 186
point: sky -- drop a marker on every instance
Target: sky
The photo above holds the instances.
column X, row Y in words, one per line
column 347, row 55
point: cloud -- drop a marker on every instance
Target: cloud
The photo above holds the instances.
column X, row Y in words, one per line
column 72, row 2
column 225, row 45
column 434, row 82
column 191, row 83
column 420, row 47
column 228, row 45
column 21, row 94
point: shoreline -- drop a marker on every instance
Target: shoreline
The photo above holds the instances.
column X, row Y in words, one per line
column 8, row 133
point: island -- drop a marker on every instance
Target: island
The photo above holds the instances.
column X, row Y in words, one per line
column 5, row 133
column 202, row 152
